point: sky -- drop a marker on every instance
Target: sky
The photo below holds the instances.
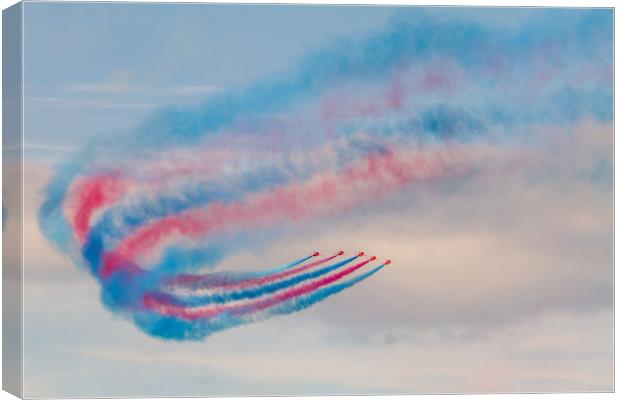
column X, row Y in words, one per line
column 472, row 147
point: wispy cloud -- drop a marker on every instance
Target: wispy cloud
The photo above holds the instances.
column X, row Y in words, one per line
column 99, row 87
column 48, row 147
column 117, row 88
column 63, row 102
column 117, row 96
column 192, row 89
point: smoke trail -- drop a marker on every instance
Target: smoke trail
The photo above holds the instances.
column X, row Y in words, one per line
column 196, row 311
column 377, row 174
column 250, row 290
column 300, row 303
column 176, row 328
column 246, row 280
column 230, row 278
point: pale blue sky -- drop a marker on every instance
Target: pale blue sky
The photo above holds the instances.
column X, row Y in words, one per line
column 95, row 69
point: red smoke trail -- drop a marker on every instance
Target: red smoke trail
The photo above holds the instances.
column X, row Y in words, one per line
column 378, row 174
column 271, row 278
column 196, row 281
column 93, row 194
column 252, row 307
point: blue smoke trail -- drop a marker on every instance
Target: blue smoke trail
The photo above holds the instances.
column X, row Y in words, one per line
column 254, row 292
column 174, row 328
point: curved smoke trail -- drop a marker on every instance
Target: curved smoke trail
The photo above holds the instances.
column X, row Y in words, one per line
column 421, row 102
